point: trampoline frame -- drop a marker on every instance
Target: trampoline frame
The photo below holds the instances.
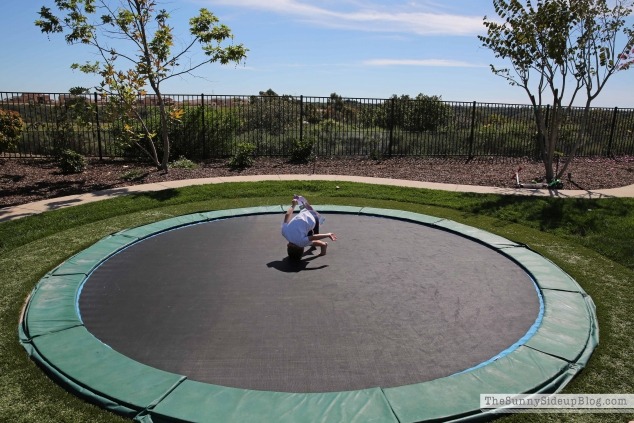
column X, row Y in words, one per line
column 53, row 334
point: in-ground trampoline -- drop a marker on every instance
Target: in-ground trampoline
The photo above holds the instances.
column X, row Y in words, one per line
column 408, row 318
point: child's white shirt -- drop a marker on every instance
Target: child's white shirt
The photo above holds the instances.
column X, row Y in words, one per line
column 296, row 231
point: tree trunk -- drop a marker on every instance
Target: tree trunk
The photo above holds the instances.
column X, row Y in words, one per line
column 552, row 142
column 153, row 154
column 547, row 135
column 549, row 150
column 582, row 130
column 164, row 127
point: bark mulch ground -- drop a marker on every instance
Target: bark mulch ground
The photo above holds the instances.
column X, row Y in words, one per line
column 27, row 180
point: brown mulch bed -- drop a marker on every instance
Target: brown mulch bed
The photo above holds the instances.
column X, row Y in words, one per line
column 27, row 180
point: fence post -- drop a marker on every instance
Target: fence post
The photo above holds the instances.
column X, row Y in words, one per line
column 98, row 127
column 389, row 147
column 301, row 118
column 202, row 105
column 473, row 116
column 609, row 153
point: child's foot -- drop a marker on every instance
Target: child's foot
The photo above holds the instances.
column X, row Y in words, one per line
column 323, row 249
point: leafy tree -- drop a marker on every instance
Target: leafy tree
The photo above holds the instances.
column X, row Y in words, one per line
column 552, row 44
column 144, row 29
column 422, row 113
column 270, row 112
column 11, row 127
column 419, row 114
column 72, row 114
column 188, row 138
column 339, row 110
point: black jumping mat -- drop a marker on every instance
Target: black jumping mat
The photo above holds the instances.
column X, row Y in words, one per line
column 392, row 303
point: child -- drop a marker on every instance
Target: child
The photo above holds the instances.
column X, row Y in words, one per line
column 303, row 231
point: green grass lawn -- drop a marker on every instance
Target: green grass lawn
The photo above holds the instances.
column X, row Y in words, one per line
column 592, row 240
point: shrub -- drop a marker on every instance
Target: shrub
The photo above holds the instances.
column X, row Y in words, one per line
column 420, row 114
column 243, row 157
column 72, row 123
column 124, row 132
column 302, row 151
column 131, row 174
column 270, row 112
column 183, row 163
column 11, row 127
column 71, row 162
column 375, row 154
column 189, row 136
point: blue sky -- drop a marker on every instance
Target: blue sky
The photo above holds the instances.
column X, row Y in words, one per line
column 354, row 48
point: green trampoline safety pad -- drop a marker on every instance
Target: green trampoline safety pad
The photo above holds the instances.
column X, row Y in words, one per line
column 400, row 214
column 196, row 402
column 52, row 305
column 567, row 326
column 479, row 235
column 523, row 370
column 546, row 273
column 89, row 363
column 157, row 227
column 87, row 260
column 544, row 361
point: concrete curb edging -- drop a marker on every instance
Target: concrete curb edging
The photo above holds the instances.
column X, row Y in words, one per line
column 16, row 212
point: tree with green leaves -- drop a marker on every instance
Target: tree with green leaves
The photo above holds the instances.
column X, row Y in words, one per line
column 558, row 49
column 419, row 114
column 146, row 40
column 269, row 112
column 11, row 127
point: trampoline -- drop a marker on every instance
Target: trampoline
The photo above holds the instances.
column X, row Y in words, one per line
column 408, row 318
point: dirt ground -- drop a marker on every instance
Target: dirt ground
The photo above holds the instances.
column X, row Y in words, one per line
column 27, row 180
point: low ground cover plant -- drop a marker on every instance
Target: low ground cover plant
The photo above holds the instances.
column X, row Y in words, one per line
column 183, row 163
column 71, row 162
column 302, row 150
column 243, row 157
column 131, row 174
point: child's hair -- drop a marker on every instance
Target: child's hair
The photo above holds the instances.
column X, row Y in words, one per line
column 294, row 252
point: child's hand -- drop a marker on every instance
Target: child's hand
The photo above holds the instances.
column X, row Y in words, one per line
column 295, row 202
column 332, row 236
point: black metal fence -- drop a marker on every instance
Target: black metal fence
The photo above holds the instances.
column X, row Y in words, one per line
column 213, row 126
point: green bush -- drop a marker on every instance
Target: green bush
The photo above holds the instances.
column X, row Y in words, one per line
column 270, row 112
column 189, row 136
column 131, row 174
column 302, row 151
column 243, row 157
column 420, row 114
column 375, row 154
column 71, row 162
column 11, row 127
column 183, row 163
column 72, row 120
column 122, row 141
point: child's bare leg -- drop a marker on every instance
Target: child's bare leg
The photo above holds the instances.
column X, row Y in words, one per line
column 324, row 246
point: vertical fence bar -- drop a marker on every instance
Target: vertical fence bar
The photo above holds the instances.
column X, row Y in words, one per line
column 98, row 127
column 301, row 118
column 202, row 115
column 473, row 116
column 609, row 152
column 389, row 147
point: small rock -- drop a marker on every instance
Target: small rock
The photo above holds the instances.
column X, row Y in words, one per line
column 337, row 187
